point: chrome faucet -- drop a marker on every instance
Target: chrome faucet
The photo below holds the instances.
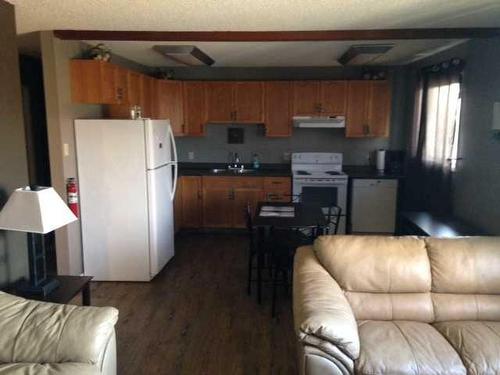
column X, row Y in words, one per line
column 237, row 163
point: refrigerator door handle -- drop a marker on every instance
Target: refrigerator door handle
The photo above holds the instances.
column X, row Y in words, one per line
column 174, row 149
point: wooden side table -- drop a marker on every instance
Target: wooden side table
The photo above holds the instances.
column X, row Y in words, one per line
column 69, row 287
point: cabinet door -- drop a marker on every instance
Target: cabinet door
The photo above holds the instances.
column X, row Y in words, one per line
column 109, row 91
column 220, row 102
column 134, row 87
column 178, row 206
column 306, row 100
column 218, row 198
column 191, row 202
column 277, row 189
column 242, row 198
column 248, row 99
column 277, row 111
column 194, row 107
column 121, row 85
column 380, row 108
column 333, row 98
column 86, row 81
column 169, row 104
column 358, row 98
column 147, row 87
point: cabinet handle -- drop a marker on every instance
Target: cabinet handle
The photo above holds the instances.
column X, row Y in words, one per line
column 201, row 128
column 366, row 129
column 183, row 127
column 200, row 195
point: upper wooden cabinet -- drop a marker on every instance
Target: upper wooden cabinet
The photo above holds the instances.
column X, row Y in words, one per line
column 220, row 96
column 169, row 104
column 333, row 98
column 235, row 101
column 277, row 109
column 194, row 100
column 319, row 98
column 368, row 109
column 147, row 96
column 249, row 101
column 306, row 98
column 95, row 82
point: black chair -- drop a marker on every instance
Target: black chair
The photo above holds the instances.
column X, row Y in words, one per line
column 321, row 197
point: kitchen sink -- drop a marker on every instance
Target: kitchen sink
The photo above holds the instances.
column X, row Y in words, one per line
column 232, row 171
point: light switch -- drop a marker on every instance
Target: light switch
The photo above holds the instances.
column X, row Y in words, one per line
column 66, row 149
column 191, row 155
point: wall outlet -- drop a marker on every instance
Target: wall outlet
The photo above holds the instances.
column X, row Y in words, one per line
column 66, row 149
column 191, row 155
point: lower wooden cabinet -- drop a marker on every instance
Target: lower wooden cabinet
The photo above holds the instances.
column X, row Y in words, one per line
column 191, row 201
column 221, row 201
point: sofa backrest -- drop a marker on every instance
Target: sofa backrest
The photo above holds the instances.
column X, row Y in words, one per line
column 412, row 278
column 383, row 278
column 465, row 278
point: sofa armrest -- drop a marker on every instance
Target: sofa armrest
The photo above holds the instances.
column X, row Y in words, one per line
column 322, row 315
column 41, row 332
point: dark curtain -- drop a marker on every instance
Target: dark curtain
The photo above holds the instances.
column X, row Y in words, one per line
column 434, row 132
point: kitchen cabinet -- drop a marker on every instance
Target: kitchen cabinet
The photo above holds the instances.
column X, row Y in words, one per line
column 147, row 96
column 277, row 109
column 277, row 189
column 178, row 206
column 194, row 109
column 246, row 191
column 218, row 198
column 191, row 201
column 235, row 101
column 368, row 109
column 220, row 102
column 306, row 100
column 249, row 102
column 95, row 82
column 319, row 98
column 134, row 83
column 168, row 104
column 373, row 207
column 333, row 98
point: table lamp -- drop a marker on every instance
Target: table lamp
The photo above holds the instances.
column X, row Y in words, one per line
column 36, row 210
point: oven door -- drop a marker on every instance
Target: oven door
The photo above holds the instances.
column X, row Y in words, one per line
column 324, row 194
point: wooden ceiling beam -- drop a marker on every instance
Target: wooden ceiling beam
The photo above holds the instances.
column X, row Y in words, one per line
column 279, row 36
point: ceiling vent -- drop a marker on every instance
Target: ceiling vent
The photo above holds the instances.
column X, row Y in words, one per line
column 185, row 55
column 364, row 54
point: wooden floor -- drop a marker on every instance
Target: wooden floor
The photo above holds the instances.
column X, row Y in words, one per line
column 196, row 318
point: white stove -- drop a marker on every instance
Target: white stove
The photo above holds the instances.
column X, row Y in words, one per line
column 319, row 177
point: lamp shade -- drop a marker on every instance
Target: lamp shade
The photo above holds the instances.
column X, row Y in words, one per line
column 38, row 211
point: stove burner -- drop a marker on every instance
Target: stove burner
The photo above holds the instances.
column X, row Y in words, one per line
column 303, row 173
column 333, row 173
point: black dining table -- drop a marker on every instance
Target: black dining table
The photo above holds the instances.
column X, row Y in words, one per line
column 304, row 216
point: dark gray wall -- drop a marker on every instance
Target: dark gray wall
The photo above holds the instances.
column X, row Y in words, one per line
column 476, row 183
column 214, row 148
column 13, row 160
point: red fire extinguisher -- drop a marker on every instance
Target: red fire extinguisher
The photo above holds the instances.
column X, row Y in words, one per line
column 72, row 195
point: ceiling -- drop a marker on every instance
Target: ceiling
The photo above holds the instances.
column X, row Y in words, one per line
column 254, row 15
column 279, row 54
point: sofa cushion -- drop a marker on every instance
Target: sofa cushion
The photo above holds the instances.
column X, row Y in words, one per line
column 35, row 332
column 405, row 347
column 48, row 369
column 376, row 264
column 477, row 343
column 465, row 265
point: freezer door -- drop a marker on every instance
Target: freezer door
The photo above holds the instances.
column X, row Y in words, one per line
column 161, row 218
column 113, row 199
column 159, row 149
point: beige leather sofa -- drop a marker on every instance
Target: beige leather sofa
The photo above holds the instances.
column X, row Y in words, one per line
column 38, row 338
column 389, row 305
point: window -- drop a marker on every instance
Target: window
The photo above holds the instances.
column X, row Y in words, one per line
column 442, row 120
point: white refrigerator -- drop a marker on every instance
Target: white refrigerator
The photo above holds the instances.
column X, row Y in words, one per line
column 127, row 176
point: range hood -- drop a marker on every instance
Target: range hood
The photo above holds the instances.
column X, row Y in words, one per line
column 333, row 122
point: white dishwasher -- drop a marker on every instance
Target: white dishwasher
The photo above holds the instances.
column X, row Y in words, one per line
column 373, row 205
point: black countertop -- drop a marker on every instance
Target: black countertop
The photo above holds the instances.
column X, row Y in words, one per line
column 277, row 170
column 206, row 169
